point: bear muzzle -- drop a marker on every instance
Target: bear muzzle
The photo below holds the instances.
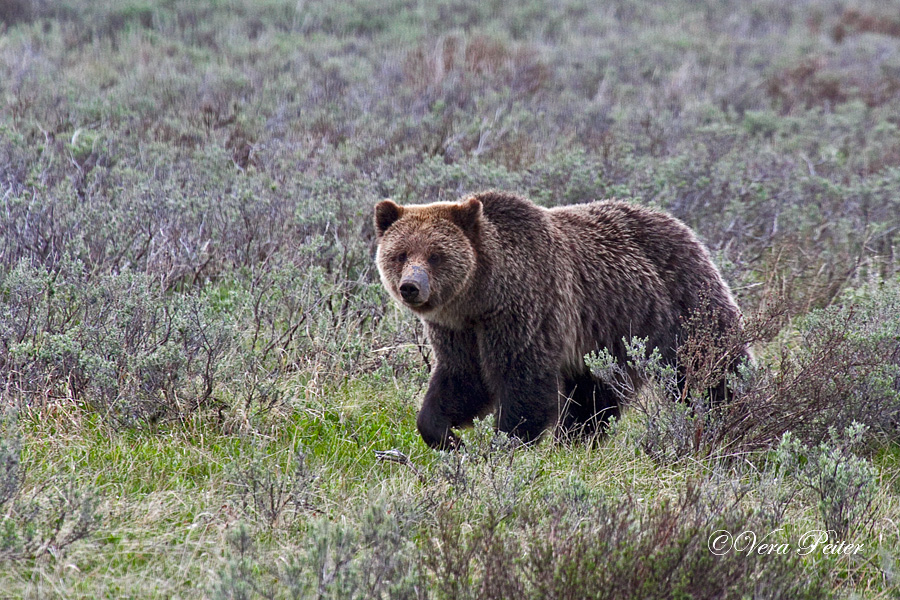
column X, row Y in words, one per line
column 414, row 286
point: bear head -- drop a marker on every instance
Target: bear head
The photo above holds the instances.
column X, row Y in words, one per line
column 427, row 253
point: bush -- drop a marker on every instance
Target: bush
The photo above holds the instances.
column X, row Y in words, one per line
column 375, row 558
column 124, row 346
column 41, row 522
column 563, row 541
column 841, row 367
column 276, row 496
column 486, row 523
column 844, row 484
column 117, row 344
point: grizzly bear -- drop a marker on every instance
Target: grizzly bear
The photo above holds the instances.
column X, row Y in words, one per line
column 513, row 296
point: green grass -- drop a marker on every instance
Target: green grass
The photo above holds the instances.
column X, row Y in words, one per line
column 171, row 499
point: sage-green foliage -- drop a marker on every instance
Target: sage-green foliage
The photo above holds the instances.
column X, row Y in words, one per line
column 844, row 484
column 538, row 535
column 41, row 522
column 274, row 495
column 202, row 361
column 672, row 429
column 838, row 367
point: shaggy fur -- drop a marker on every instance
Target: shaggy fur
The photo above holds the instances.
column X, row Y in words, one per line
column 513, row 296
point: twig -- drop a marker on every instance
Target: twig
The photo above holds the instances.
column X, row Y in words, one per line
column 398, row 457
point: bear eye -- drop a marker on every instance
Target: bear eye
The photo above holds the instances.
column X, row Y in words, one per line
column 401, row 258
column 435, row 259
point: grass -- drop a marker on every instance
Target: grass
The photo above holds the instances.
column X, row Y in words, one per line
column 171, row 495
column 199, row 364
column 172, row 498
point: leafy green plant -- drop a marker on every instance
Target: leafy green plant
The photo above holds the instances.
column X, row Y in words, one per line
column 274, row 495
column 843, row 483
column 42, row 522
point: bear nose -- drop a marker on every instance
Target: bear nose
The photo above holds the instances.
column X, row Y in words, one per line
column 409, row 291
column 414, row 288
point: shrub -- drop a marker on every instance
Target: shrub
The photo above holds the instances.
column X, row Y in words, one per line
column 843, row 483
column 843, row 367
column 472, row 530
column 374, row 558
column 42, row 522
column 271, row 494
column 668, row 425
column 116, row 344
column 608, row 549
column 124, row 346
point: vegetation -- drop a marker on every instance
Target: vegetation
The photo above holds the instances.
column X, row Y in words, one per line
column 199, row 364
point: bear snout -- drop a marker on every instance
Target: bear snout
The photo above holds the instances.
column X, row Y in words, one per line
column 414, row 287
column 409, row 290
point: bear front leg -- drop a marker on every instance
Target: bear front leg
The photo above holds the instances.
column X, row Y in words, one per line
column 456, row 393
column 521, row 368
column 525, row 388
column 588, row 404
column 452, row 400
column 527, row 404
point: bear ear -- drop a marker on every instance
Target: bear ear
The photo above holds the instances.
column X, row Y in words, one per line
column 467, row 214
column 386, row 213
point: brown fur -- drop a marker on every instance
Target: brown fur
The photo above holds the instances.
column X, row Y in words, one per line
column 513, row 296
